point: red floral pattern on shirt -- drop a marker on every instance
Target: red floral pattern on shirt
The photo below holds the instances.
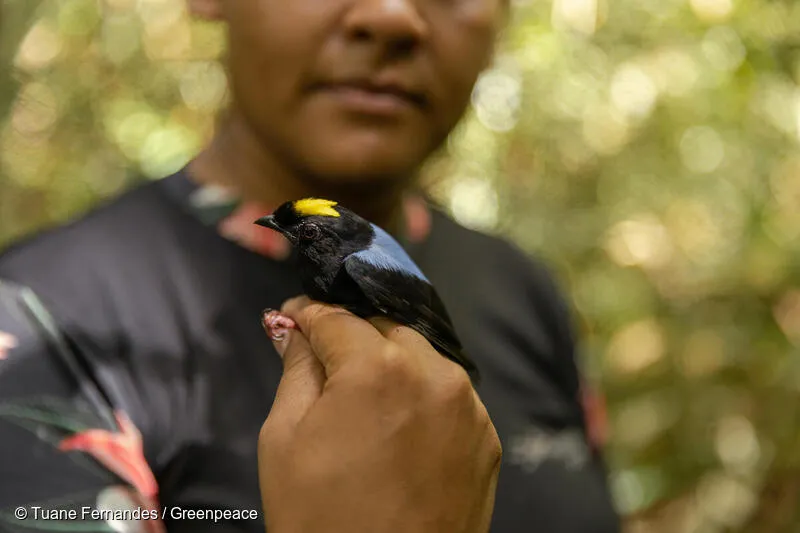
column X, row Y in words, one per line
column 594, row 407
column 7, row 342
column 238, row 227
column 123, row 454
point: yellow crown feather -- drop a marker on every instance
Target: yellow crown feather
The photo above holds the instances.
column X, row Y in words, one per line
column 316, row 206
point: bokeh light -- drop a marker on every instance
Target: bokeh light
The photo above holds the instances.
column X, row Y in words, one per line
column 647, row 150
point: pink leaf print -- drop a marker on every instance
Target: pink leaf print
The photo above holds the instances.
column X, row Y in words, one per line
column 122, row 453
column 7, row 342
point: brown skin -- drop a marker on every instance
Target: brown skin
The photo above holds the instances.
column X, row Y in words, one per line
column 286, row 137
column 371, row 430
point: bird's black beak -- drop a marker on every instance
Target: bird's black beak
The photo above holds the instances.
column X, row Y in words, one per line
column 269, row 222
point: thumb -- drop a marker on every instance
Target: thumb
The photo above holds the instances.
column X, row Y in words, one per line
column 301, row 384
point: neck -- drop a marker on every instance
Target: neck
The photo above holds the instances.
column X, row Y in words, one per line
column 236, row 159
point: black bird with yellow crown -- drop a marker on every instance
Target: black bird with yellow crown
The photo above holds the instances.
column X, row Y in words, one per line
column 346, row 260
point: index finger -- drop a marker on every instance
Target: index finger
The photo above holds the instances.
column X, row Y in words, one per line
column 337, row 336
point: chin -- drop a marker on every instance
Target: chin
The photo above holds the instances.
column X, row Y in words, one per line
column 338, row 175
column 338, row 162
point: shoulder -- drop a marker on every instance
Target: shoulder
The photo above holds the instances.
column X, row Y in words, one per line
column 507, row 269
column 508, row 293
column 68, row 264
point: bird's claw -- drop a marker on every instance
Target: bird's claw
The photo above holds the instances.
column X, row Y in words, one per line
column 276, row 324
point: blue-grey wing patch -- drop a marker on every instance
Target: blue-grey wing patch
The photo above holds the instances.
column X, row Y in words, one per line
column 411, row 301
column 385, row 252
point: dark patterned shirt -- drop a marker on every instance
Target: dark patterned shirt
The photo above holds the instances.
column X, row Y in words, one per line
column 135, row 376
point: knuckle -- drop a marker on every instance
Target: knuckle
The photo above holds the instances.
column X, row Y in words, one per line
column 457, row 387
column 269, row 434
column 494, row 444
column 313, row 313
column 295, row 305
column 393, row 360
column 264, row 432
column 392, row 366
column 316, row 317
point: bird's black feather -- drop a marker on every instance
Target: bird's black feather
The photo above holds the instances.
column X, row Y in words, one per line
column 345, row 260
column 412, row 302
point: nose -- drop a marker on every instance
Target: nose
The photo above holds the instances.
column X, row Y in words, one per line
column 396, row 25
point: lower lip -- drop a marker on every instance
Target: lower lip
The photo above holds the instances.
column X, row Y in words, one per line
column 369, row 102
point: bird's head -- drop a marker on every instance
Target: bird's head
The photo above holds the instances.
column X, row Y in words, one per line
column 320, row 230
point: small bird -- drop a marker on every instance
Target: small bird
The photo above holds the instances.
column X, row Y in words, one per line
column 346, row 260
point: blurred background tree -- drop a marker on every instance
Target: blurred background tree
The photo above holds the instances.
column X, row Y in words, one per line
column 647, row 149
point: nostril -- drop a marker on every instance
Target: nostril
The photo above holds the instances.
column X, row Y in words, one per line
column 361, row 34
column 399, row 44
column 403, row 47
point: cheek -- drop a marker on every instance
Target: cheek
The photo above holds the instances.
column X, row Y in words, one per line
column 272, row 45
column 462, row 48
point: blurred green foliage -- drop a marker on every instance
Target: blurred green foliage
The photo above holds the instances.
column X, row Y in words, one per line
column 648, row 149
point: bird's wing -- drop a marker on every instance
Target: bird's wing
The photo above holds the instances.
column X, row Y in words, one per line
column 407, row 297
column 385, row 252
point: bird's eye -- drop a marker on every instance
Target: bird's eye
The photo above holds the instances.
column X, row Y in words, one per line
column 309, row 232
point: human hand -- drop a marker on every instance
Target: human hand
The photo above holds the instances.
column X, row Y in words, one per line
column 372, row 430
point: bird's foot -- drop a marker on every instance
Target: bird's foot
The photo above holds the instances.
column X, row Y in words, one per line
column 276, row 324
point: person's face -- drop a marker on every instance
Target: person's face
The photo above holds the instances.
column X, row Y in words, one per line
column 355, row 90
